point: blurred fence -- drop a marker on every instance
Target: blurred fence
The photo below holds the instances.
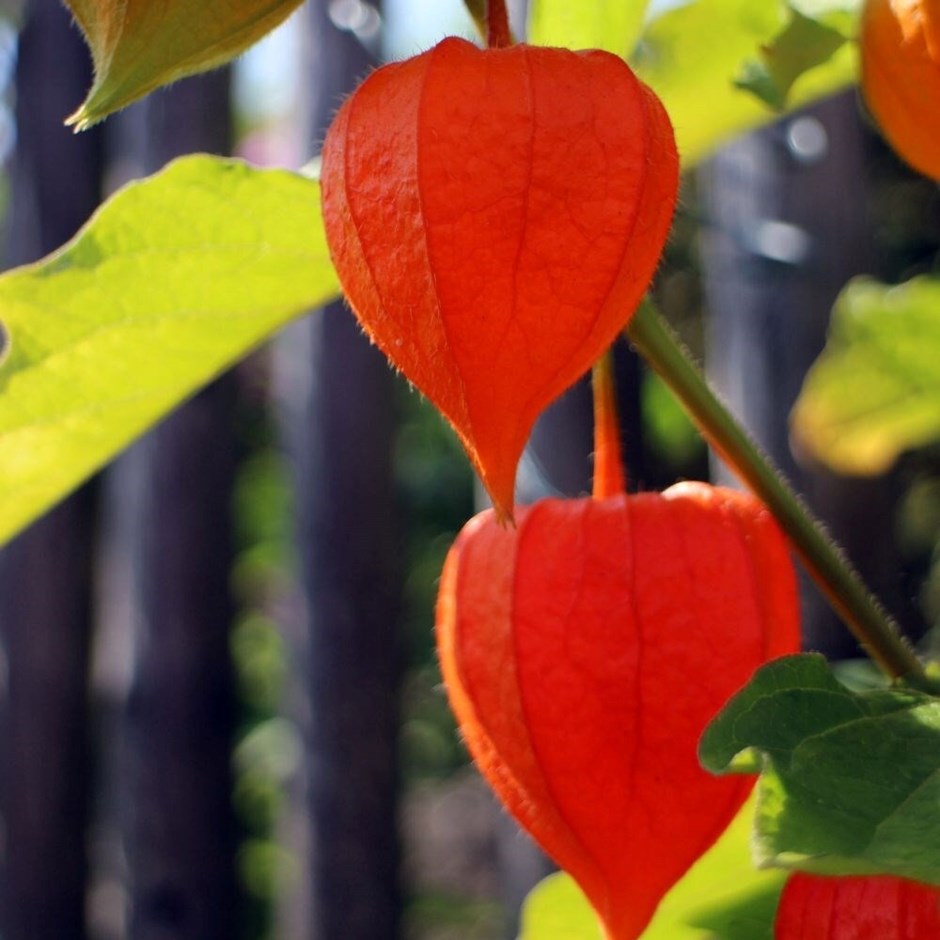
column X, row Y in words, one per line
column 126, row 727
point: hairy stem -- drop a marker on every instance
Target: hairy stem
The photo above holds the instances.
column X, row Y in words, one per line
column 608, row 460
column 828, row 566
column 492, row 21
column 498, row 34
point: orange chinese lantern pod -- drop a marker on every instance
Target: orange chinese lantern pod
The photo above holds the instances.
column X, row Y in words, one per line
column 857, row 908
column 495, row 216
column 585, row 650
column 900, row 48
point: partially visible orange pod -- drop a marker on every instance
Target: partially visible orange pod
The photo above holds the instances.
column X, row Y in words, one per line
column 584, row 652
column 900, row 50
column 857, row 908
column 495, row 216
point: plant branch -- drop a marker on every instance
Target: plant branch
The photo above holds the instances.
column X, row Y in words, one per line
column 826, row 563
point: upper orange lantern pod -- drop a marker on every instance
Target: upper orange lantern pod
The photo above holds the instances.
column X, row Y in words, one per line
column 495, row 216
column 900, row 48
column 857, row 908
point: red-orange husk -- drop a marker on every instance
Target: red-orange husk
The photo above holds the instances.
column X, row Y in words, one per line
column 880, row 907
column 900, row 62
column 495, row 216
column 585, row 651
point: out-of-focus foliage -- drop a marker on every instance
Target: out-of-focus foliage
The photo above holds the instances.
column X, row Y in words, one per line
column 696, row 55
column 720, row 66
column 139, row 45
column 875, row 391
column 175, row 278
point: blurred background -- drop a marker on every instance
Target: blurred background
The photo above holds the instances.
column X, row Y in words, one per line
column 220, row 710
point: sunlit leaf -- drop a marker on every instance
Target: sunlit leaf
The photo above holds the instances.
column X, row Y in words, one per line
column 875, row 390
column 175, row 278
column 139, row 45
column 613, row 25
column 850, row 781
column 693, row 54
column 842, row 15
column 722, row 895
column 802, row 45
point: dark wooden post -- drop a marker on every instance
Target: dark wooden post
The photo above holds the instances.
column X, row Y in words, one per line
column 788, row 227
column 339, row 422
column 178, row 724
column 45, row 573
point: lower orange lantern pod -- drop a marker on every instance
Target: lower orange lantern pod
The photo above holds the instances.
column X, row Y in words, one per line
column 869, row 908
column 900, row 54
column 585, row 650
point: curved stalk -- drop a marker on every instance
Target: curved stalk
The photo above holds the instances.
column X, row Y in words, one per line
column 492, row 21
column 498, row 34
column 871, row 625
column 609, row 478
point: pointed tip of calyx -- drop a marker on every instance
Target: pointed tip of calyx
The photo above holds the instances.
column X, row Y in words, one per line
column 503, row 503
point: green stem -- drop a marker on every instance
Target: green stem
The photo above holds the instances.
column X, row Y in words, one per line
column 826, row 563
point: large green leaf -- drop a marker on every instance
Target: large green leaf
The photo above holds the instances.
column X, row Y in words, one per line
column 722, row 895
column 875, row 390
column 138, row 45
column 850, row 781
column 174, row 278
column 803, row 44
column 613, row 25
column 696, row 56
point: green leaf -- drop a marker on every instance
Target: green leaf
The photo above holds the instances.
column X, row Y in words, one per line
column 557, row 910
column 841, row 15
column 139, row 45
column 851, row 781
column 802, row 45
column 613, row 25
column 874, row 392
column 722, row 895
column 174, row 278
column 695, row 75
